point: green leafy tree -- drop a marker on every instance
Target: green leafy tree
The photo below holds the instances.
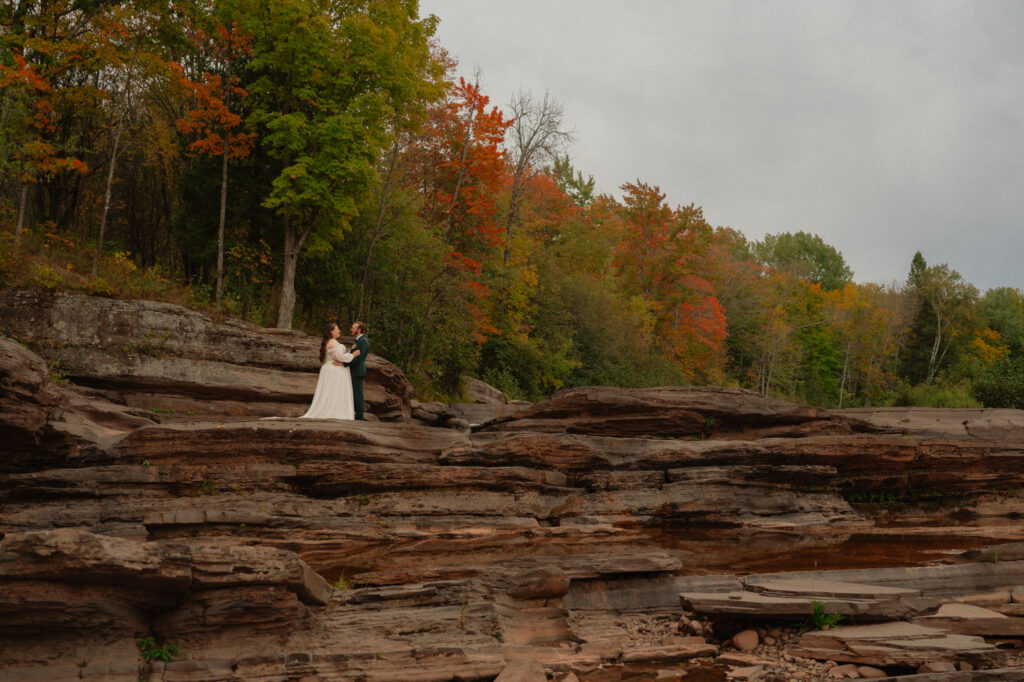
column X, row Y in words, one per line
column 1003, row 309
column 571, row 181
column 944, row 317
column 1001, row 384
column 918, row 266
column 327, row 81
column 806, row 256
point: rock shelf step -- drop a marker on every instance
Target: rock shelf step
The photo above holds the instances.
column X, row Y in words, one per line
column 897, row 644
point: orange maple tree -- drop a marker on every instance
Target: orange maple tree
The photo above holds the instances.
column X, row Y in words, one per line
column 462, row 166
column 218, row 130
column 661, row 254
column 33, row 156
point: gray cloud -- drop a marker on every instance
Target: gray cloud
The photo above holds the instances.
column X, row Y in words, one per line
column 885, row 127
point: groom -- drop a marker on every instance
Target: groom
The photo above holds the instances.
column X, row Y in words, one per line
column 358, row 366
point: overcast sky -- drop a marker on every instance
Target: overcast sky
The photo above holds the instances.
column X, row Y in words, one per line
column 883, row 126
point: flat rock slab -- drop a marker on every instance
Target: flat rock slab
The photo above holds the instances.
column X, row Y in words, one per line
column 690, row 647
column 801, row 606
column 967, row 619
column 930, row 421
column 1014, row 674
column 818, row 588
column 903, row 644
column 1011, row 551
column 954, row 580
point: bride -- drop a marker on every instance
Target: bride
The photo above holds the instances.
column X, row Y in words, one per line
column 333, row 396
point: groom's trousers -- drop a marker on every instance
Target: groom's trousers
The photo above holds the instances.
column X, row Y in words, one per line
column 357, row 396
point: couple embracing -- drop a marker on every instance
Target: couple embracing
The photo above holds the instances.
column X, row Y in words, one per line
column 339, row 389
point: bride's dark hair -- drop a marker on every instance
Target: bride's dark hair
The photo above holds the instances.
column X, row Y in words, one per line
column 325, row 335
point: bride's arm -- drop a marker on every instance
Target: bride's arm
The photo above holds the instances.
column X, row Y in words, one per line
column 338, row 354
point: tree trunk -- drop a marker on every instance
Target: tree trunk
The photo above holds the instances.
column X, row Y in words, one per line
column 377, row 228
column 932, row 364
column 513, row 209
column 842, row 383
column 292, row 248
column 106, row 198
column 220, row 228
column 291, row 257
column 22, row 200
column 458, row 179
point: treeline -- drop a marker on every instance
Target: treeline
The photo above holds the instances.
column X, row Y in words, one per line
column 296, row 161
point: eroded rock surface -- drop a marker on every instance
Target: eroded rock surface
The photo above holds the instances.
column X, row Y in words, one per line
column 679, row 412
column 159, row 355
column 562, row 533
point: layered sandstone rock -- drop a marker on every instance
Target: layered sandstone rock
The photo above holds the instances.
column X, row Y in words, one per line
column 561, row 533
column 678, row 412
column 158, row 355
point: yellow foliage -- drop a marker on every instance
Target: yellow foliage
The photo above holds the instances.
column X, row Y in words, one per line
column 988, row 346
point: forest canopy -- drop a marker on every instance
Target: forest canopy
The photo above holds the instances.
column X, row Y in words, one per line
column 290, row 162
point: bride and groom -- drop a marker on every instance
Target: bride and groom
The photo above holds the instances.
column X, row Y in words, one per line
column 339, row 389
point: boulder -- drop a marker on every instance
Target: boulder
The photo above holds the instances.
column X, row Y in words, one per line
column 482, row 393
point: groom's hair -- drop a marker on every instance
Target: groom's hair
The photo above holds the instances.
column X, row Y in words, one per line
column 360, row 326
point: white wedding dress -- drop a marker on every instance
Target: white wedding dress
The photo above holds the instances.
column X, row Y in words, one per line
column 333, row 396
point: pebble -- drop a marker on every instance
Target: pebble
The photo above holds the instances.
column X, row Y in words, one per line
column 746, row 640
column 844, row 672
column 937, row 667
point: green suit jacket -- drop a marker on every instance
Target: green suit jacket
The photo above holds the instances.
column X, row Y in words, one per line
column 358, row 364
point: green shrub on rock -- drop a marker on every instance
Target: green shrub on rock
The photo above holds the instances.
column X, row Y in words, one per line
column 1001, row 384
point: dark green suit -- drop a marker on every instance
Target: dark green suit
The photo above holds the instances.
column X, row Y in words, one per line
column 358, row 367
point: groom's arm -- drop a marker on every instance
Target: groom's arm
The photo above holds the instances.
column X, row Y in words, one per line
column 356, row 359
column 363, row 346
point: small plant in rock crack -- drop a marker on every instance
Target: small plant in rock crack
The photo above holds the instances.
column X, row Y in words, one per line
column 151, row 651
column 205, row 488
column 821, row 620
column 57, row 373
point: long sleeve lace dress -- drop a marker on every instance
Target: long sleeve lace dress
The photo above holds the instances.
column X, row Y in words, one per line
column 333, row 396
